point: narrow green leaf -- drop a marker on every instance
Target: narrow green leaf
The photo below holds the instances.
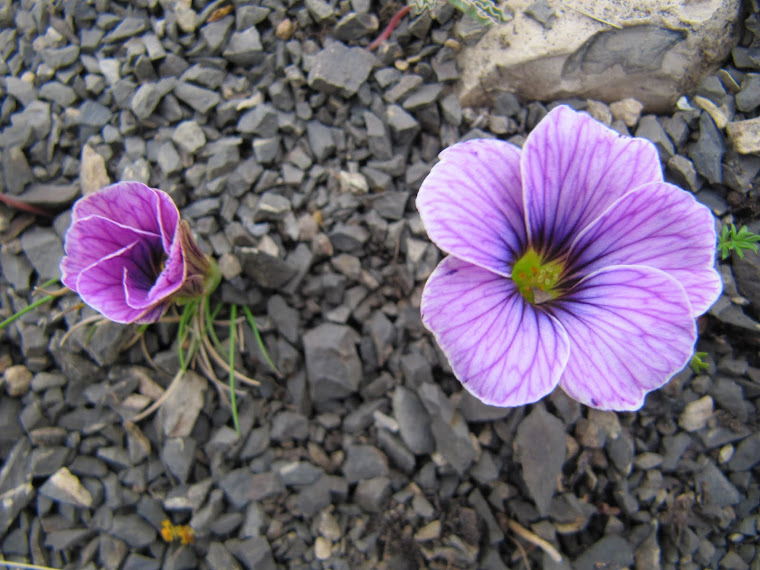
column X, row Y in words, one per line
column 259, row 340
column 26, row 309
column 233, row 397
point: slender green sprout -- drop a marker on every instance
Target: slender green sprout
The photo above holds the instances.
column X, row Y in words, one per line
column 697, row 364
column 259, row 340
column 740, row 240
column 233, row 396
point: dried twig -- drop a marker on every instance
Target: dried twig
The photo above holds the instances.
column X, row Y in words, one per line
column 534, row 539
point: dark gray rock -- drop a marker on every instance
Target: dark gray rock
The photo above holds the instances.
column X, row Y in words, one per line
column 244, row 48
column 413, row 421
column 747, row 454
column 178, row 454
column 403, row 126
column 748, row 99
column 219, row 558
column 474, row 410
column 265, row 269
column 612, row 549
column 189, row 137
column 332, row 363
column 650, row 128
column 372, row 494
column 364, row 462
column 287, row 425
column 355, row 25
column 341, row 70
column 716, row 487
column 255, row 553
column 708, row 151
column 260, row 121
column 540, row 447
column 43, row 248
column 321, row 140
column 128, row 27
column 747, row 275
column 16, row 171
column 145, row 100
column 200, row 99
column 94, row 114
column 21, row 90
column 377, row 137
column 58, row 93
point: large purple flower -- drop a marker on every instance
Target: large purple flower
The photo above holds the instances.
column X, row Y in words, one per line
column 570, row 262
column 129, row 255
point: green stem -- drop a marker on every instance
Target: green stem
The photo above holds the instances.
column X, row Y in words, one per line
column 260, row 341
column 233, row 396
column 27, row 309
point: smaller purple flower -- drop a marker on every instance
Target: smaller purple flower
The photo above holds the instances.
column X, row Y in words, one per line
column 571, row 262
column 129, row 255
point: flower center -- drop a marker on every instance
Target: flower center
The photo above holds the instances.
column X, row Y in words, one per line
column 537, row 279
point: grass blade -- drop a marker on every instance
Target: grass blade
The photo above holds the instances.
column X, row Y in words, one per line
column 259, row 340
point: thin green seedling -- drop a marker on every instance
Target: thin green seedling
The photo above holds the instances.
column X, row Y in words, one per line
column 34, row 305
column 739, row 240
column 260, row 341
column 183, row 333
column 697, row 363
column 233, row 396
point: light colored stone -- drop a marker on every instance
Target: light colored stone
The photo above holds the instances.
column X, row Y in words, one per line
column 652, row 50
column 64, row 487
column 696, row 414
column 745, row 135
column 183, row 404
column 600, row 111
column 92, row 171
column 627, row 110
column 430, row 531
column 720, row 113
column 322, row 548
column 17, row 380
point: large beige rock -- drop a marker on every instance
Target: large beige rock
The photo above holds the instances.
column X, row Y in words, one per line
column 661, row 50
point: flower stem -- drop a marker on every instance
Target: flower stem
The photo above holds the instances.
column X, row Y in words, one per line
column 233, row 396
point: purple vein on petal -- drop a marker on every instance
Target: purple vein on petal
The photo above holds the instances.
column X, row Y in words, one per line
column 573, row 169
column 502, row 350
column 661, row 226
column 471, row 203
column 631, row 329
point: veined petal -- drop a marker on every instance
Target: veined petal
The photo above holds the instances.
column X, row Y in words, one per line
column 504, row 351
column 93, row 238
column 134, row 205
column 103, row 284
column 574, row 168
column 169, row 281
column 471, row 203
column 658, row 225
column 630, row 329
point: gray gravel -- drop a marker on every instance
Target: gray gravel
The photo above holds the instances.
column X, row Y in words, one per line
column 295, row 154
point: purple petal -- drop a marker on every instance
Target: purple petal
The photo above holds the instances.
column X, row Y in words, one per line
column 471, row 203
column 574, row 168
column 661, row 226
column 103, row 285
column 134, row 205
column 168, row 282
column 631, row 329
column 504, row 351
column 91, row 239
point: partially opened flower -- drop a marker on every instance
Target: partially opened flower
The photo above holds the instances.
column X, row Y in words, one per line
column 129, row 255
column 570, row 262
